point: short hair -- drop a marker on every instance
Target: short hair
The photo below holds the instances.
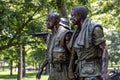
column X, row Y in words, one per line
column 54, row 15
column 80, row 10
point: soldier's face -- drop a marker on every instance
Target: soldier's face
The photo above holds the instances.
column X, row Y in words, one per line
column 49, row 23
column 75, row 18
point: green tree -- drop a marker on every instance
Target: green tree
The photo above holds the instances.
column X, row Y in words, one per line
column 20, row 18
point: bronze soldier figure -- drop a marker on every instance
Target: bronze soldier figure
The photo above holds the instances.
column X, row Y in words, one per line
column 57, row 52
column 88, row 44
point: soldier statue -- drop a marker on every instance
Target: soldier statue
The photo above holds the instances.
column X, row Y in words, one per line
column 57, row 49
column 88, row 44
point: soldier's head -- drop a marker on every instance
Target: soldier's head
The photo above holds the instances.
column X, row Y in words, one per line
column 78, row 13
column 52, row 20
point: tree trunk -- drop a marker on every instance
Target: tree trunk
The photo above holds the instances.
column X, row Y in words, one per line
column 24, row 71
column 20, row 63
column 61, row 8
column 11, row 67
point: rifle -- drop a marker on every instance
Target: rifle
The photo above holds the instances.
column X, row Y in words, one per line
column 38, row 76
column 42, row 35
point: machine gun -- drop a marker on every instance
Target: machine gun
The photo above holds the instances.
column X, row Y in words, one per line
column 42, row 35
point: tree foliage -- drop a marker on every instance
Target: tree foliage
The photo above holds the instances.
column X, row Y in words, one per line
column 20, row 18
column 114, row 46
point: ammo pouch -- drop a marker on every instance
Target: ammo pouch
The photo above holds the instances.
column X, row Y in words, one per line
column 59, row 57
column 89, row 68
column 57, row 66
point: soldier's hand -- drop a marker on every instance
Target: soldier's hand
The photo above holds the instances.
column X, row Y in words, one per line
column 71, row 75
column 38, row 76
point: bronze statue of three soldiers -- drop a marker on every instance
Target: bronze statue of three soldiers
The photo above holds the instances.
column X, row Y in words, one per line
column 78, row 55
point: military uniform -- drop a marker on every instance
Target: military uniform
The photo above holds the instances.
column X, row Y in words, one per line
column 85, row 45
column 57, row 55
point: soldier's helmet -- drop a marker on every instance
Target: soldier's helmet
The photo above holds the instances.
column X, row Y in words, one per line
column 64, row 22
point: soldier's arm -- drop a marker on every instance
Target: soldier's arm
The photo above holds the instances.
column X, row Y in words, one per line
column 67, row 40
column 71, row 68
column 71, row 62
column 104, row 60
column 100, row 41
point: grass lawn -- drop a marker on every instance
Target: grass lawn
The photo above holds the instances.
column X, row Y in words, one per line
column 30, row 75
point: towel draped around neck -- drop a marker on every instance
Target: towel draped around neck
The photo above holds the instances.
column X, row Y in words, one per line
column 84, row 36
